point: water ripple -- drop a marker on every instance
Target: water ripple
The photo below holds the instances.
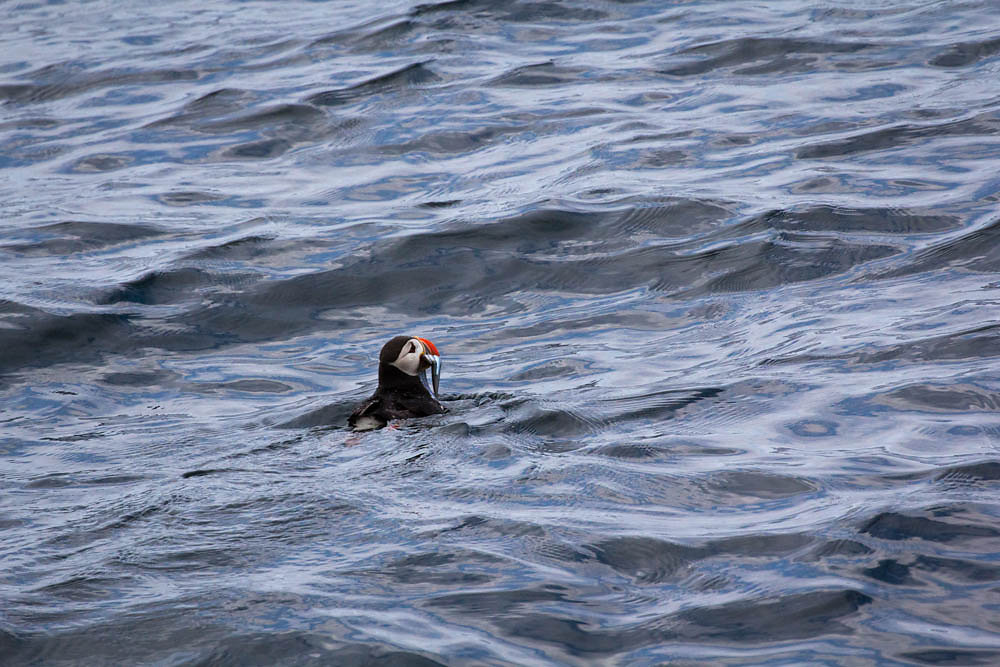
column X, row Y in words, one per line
column 714, row 286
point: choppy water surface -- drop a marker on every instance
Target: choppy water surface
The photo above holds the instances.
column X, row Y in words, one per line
column 715, row 284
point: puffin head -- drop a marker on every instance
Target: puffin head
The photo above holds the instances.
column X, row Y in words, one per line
column 413, row 355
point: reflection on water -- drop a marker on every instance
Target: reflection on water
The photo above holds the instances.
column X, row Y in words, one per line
column 715, row 287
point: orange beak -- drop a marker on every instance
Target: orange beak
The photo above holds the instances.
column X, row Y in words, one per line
column 431, row 347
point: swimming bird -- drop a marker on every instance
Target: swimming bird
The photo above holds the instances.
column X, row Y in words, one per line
column 402, row 384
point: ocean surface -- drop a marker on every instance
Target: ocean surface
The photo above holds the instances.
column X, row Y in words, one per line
column 716, row 286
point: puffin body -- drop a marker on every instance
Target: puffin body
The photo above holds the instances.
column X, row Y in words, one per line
column 401, row 393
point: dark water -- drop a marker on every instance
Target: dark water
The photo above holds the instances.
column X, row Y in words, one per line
column 715, row 284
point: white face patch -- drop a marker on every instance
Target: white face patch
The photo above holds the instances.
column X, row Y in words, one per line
column 408, row 360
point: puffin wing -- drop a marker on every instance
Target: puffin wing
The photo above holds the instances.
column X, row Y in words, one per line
column 363, row 413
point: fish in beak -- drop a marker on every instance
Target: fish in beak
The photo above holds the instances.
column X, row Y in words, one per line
column 433, row 359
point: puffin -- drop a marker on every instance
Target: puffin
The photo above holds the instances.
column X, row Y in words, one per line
column 402, row 390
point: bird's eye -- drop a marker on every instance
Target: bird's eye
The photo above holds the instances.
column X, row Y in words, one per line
column 413, row 348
